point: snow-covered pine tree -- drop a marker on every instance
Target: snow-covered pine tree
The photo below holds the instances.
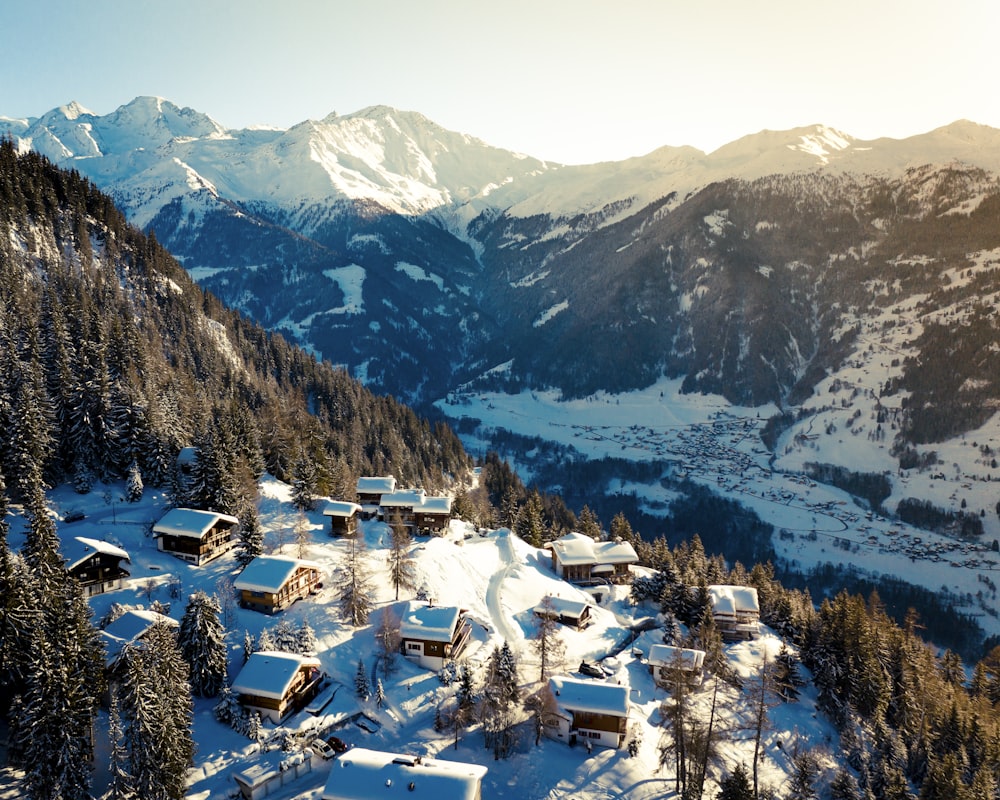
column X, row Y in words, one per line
column 379, row 693
column 304, row 483
column 202, row 641
column 251, row 542
column 121, row 785
column 285, row 637
column 362, row 686
column 265, row 641
column 133, row 483
column 786, row 676
column 249, row 646
column 305, row 639
column 156, row 707
column 500, row 701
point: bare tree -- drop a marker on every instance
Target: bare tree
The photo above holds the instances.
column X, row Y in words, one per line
column 356, row 597
column 302, row 536
column 401, row 569
column 547, row 644
column 387, row 640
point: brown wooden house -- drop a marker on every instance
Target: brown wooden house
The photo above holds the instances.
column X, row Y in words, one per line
column 272, row 583
column 274, row 683
column 579, row 559
column 195, row 536
column 96, row 565
column 431, row 635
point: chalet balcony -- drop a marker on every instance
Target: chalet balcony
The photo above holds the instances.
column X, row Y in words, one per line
column 458, row 642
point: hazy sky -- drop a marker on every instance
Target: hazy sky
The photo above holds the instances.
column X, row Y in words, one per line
column 573, row 81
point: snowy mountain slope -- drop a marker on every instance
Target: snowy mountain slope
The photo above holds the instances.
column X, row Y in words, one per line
column 454, row 570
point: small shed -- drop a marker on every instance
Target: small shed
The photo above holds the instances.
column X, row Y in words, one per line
column 667, row 664
column 343, row 516
column 574, row 613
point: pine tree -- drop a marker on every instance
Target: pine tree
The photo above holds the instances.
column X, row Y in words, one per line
column 736, row 786
column 251, row 543
column 588, row 524
column 305, row 639
column 121, row 786
column 304, row 484
column 133, row 484
column 804, row 774
column 501, row 698
column 249, row 646
column 202, row 641
column 787, row 679
column 362, row 686
column 844, row 786
column 155, row 701
column 379, row 693
column 530, row 523
column 387, row 640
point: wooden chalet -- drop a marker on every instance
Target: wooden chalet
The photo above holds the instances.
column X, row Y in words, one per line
column 371, row 488
column 593, row 711
column 668, row 664
column 343, row 516
column 195, row 536
column 579, row 559
column 572, row 613
column 274, row 683
column 736, row 611
column 420, row 513
column 96, row 565
column 363, row 774
column 272, row 583
column 431, row 635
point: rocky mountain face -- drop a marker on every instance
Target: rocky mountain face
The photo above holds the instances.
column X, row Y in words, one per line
column 425, row 260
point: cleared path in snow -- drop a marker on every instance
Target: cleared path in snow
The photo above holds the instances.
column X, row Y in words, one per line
column 502, row 622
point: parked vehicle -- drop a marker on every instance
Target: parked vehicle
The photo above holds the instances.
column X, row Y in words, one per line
column 592, row 670
column 328, row 748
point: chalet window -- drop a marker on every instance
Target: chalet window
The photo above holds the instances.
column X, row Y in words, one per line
column 413, row 645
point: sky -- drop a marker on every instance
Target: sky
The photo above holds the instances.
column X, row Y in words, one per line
column 570, row 81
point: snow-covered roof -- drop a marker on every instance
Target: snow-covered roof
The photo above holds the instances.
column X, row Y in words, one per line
column 190, row 522
column 562, row 606
column 341, row 508
column 376, row 485
column 362, row 774
column 269, row 573
column 431, row 623
column 408, row 498
column 595, row 697
column 128, row 628
column 730, row 600
column 578, row 548
column 80, row 548
column 665, row 655
column 437, row 505
column 269, row 673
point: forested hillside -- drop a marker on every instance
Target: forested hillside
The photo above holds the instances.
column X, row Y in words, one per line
column 114, row 360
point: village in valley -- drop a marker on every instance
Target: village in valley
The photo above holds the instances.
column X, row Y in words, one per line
column 336, row 713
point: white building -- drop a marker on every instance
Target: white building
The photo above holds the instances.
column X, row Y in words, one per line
column 667, row 663
column 736, row 611
column 362, row 774
column 430, row 635
column 593, row 711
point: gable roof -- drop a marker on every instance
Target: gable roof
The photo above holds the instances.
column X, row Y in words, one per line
column 596, row 697
column 577, row 548
column 129, row 628
column 665, row 655
column 562, row 606
column 430, row 623
column 404, row 498
column 269, row 673
column 371, row 484
column 80, row 548
column 362, row 774
column 270, row 573
column 190, row 522
column 341, row 508
column 730, row 600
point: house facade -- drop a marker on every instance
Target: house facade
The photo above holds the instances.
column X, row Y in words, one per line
column 420, row 513
column 736, row 611
column 431, row 635
column 96, row 565
column 363, row 774
column 343, row 516
column 579, row 559
column 195, row 536
column 668, row 664
column 591, row 711
column 272, row 583
column 274, row 683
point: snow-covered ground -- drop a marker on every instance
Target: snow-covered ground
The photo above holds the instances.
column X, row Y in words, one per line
column 499, row 579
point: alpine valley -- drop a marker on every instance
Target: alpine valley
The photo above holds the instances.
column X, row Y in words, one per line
column 799, row 318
